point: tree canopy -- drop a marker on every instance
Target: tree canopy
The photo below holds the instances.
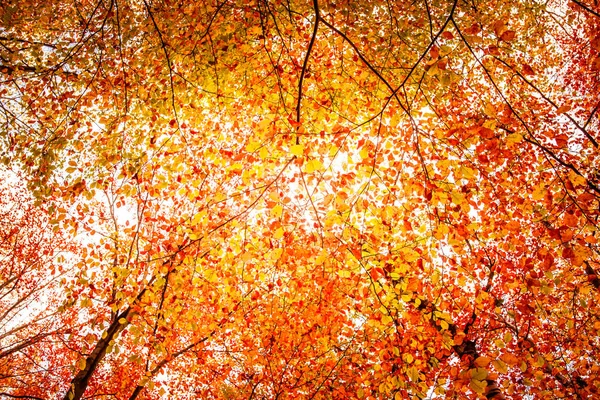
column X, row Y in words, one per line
column 350, row 199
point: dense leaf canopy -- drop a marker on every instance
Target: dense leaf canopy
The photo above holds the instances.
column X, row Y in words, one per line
column 351, row 199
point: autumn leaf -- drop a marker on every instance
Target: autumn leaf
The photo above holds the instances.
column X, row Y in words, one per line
column 508, row 36
column 500, row 28
column 527, row 70
column 500, row 366
column 482, row 361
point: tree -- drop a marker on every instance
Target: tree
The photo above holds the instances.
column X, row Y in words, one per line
column 313, row 198
column 34, row 262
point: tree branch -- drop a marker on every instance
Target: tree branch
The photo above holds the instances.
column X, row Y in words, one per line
column 305, row 64
column 586, row 8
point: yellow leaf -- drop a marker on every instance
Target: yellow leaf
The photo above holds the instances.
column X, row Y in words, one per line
column 539, row 362
column 211, row 275
column 441, row 231
column 344, row 274
column 409, row 254
column 467, row 173
column 514, row 138
column 81, row 364
column 236, row 167
column 413, row 374
column 263, row 153
column 479, row 374
column 313, row 165
column 478, row 386
column 523, row 366
column 364, row 153
column 297, row 150
column 278, row 234
column 539, row 192
column 277, row 211
column 457, row 198
column 395, row 276
column 199, row 217
column 576, row 179
column 500, row 366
